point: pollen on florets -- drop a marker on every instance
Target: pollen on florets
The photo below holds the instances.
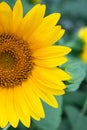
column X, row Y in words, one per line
column 16, row 60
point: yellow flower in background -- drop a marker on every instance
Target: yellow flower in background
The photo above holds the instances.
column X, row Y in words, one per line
column 83, row 35
column 28, row 61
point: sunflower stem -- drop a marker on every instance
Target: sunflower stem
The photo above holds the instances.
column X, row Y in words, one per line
column 6, row 127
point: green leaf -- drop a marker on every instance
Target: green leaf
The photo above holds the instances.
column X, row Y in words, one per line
column 77, row 119
column 77, row 98
column 72, row 114
column 77, row 71
column 52, row 117
column 64, row 124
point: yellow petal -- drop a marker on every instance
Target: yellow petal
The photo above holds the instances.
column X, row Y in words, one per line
column 17, row 15
column 33, row 99
column 58, row 73
column 48, row 76
column 58, row 92
column 31, row 20
column 84, row 56
column 45, row 88
column 11, row 112
column 51, row 52
column 61, row 74
column 83, row 34
column 33, row 113
column 1, row 28
column 45, row 37
column 47, row 97
column 52, row 19
column 21, row 106
column 50, row 63
column 5, row 17
column 48, row 22
column 3, row 114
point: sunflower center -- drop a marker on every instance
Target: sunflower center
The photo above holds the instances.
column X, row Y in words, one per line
column 7, row 60
column 16, row 61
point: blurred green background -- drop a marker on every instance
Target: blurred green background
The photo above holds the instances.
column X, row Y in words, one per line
column 72, row 111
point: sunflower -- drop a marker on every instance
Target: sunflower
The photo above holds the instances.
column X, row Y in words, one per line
column 83, row 35
column 28, row 63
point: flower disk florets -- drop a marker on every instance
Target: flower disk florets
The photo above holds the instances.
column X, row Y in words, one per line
column 15, row 60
